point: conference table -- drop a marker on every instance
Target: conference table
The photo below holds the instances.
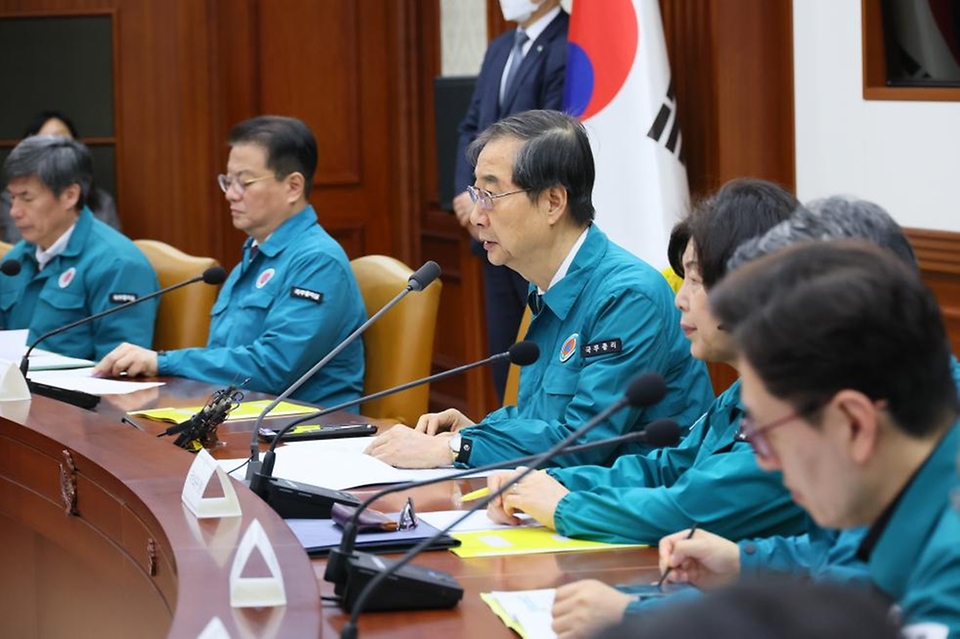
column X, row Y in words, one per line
column 95, row 542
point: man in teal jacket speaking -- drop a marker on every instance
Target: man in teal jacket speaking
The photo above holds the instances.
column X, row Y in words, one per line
column 600, row 314
column 712, row 476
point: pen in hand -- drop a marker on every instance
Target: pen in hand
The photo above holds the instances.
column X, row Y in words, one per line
column 666, row 572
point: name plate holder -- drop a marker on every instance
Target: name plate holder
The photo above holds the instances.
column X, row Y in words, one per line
column 13, row 386
column 256, row 592
column 204, row 468
column 214, row 630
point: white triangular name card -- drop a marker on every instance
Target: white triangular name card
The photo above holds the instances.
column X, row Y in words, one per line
column 203, row 468
column 256, row 592
column 214, row 630
column 13, row 387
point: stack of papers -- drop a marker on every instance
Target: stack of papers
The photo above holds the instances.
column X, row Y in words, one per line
column 41, row 360
column 82, row 379
column 477, row 521
column 529, row 613
column 61, row 371
column 246, row 410
column 13, row 346
column 338, row 464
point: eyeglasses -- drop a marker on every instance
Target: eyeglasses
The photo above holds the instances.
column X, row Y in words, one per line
column 408, row 519
column 486, row 198
column 757, row 437
column 227, row 182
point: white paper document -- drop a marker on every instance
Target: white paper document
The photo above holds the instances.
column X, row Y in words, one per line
column 13, row 345
column 531, row 611
column 81, row 379
column 41, row 360
column 339, row 464
column 476, row 522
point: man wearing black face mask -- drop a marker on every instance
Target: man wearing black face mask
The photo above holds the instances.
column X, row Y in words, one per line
column 523, row 69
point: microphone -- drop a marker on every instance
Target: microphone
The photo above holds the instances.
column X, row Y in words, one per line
column 213, row 275
column 364, row 574
column 296, row 500
column 10, row 267
column 418, row 280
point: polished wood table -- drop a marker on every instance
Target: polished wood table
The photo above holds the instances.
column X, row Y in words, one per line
column 131, row 561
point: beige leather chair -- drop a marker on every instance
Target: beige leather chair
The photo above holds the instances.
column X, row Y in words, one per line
column 512, row 388
column 399, row 346
column 183, row 318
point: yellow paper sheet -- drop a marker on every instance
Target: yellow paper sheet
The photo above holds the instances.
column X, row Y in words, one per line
column 523, row 541
column 246, row 410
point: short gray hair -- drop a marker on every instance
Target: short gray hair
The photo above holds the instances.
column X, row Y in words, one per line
column 57, row 161
column 830, row 219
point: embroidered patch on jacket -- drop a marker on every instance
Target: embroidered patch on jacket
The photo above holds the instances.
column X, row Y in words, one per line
column 306, row 294
column 605, row 347
column 569, row 347
column 265, row 277
column 122, row 298
column 66, row 277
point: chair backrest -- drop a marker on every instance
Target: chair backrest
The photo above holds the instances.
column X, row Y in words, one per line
column 399, row 346
column 183, row 318
column 4, row 249
column 512, row 389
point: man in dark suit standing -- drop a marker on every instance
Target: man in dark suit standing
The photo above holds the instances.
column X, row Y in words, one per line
column 523, row 69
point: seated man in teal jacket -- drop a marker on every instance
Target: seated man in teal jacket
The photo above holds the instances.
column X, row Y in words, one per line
column 600, row 314
column 72, row 265
column 711, row 477
column 291, row 299
column 823, row 555
column 847, row 376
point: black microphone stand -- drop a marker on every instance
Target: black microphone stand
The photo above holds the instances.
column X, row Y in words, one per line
column 297, row 500
column 660, row 433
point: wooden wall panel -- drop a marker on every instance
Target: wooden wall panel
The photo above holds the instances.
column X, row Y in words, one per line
column 461, row 337
column 938, row 253
column 188, row 70
column 732, row 67
column 166, row 186
column 309, row 67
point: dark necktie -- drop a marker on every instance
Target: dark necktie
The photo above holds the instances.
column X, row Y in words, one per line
column 535, row 301
column 520, row 38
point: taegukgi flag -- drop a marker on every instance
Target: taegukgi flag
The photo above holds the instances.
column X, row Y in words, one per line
column 618, row 83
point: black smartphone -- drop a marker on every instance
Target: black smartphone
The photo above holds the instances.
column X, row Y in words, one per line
column 316, row 431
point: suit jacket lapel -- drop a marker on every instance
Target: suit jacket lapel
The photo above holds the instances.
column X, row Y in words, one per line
column 532, row 59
